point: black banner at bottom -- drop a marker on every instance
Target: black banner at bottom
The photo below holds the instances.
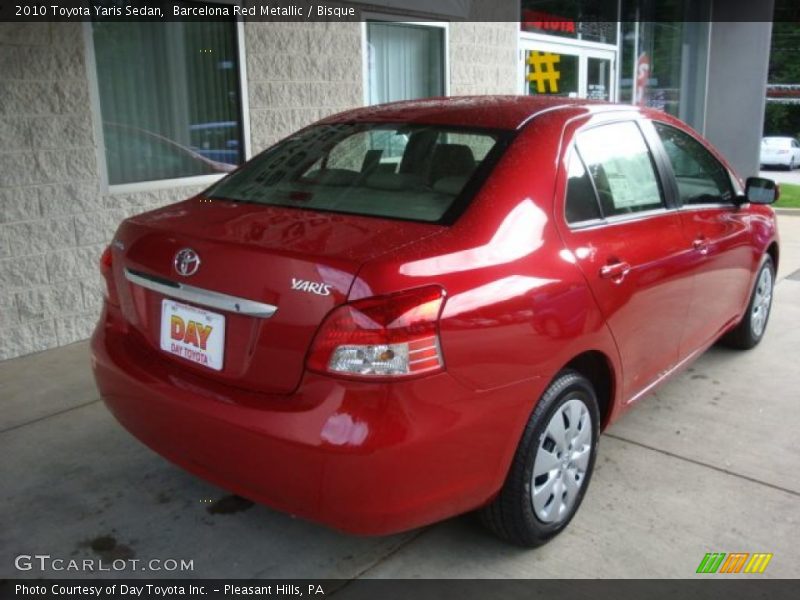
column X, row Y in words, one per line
column 406, row 589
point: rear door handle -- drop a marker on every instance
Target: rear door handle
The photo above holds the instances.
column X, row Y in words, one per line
column 615, row 271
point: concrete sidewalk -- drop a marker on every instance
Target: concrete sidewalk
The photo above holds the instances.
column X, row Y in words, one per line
column 708, row 463
column 792, row 177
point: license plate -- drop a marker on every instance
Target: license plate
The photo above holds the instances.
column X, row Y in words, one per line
column 194, row 334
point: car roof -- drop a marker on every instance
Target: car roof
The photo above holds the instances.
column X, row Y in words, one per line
column 490, row 112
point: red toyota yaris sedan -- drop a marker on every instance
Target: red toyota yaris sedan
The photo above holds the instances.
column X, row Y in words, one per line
column 405, row 312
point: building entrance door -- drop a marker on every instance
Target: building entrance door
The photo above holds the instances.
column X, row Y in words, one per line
column 567, row 69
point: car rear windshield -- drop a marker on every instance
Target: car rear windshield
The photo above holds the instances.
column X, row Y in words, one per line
column 411, row 172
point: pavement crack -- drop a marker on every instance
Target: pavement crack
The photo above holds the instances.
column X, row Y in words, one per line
column 44, row 417
column 703, row 464
column 381, row 559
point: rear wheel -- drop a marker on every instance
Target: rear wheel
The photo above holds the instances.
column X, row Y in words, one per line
column 749, row 332
column 552, row 466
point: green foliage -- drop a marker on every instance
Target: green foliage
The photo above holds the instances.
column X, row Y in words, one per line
column 782, row 119
column 784, row 67
column 790, row 196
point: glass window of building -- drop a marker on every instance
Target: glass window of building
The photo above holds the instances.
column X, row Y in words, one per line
column 405, row 61
column 590, row 21
column 569, row 48
column 552, row 73
column 641, row 52
column 664, row 50
column 170, row 100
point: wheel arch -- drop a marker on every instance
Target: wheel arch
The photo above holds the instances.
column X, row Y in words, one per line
column 774, row 253
column 599, row 370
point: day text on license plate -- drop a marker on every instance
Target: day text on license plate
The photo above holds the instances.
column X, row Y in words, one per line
column 192, row 333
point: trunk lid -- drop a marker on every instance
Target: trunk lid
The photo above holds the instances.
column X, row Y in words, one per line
column 300, row 262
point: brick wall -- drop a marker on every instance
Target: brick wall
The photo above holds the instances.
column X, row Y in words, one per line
column 483, row 58
column 298, row 73
column 55, row 219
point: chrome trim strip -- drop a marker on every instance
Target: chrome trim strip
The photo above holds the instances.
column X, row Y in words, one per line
column 622, row 219
column 707, row 206
column 664, row 375
column 181, row 291
column 646, row 214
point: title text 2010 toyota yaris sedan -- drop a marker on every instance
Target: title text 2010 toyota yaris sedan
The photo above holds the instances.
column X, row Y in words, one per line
column 405, row 312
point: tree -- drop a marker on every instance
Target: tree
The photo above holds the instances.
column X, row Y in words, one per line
column 784, row 67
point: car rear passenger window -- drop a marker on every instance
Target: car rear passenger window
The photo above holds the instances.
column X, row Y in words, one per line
column 581, row 202
column 621, row 167
column 701, row 178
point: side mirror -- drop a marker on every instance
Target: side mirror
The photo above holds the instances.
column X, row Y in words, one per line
column 759, row 190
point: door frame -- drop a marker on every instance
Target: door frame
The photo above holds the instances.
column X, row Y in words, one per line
column 582, row 49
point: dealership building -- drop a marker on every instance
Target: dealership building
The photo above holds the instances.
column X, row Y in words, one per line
column 101, row 120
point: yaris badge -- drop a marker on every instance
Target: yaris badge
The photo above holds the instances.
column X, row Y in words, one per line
column 313, row 287
column 187, row 262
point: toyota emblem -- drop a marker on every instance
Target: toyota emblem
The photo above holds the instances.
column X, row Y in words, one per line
column 187, row 262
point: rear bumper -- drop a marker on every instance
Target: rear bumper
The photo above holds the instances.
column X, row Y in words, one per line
column 360, row 457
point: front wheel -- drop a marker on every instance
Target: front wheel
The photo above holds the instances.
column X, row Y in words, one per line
column 749, row 332
column 552, row 465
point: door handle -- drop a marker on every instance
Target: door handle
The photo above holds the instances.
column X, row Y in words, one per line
column 615, row 271
column 701, row 245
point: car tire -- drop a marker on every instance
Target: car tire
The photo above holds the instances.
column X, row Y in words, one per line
column 560, row 442
column 750, row 330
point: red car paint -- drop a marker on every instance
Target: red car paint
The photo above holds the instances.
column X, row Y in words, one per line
column 523, row 297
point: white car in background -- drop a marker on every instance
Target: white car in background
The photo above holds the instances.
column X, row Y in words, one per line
column 780, row 152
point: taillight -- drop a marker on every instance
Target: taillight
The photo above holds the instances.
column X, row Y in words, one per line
column 106, row 260
column 385, row 336
column 106, row 264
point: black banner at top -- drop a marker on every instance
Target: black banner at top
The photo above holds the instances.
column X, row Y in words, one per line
column 553, row 12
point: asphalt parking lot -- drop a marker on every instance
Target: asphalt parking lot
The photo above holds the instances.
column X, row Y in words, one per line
column 709, row 463
column 782, row 176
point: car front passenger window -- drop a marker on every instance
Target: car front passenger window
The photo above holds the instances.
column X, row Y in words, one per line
column 701, row 178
